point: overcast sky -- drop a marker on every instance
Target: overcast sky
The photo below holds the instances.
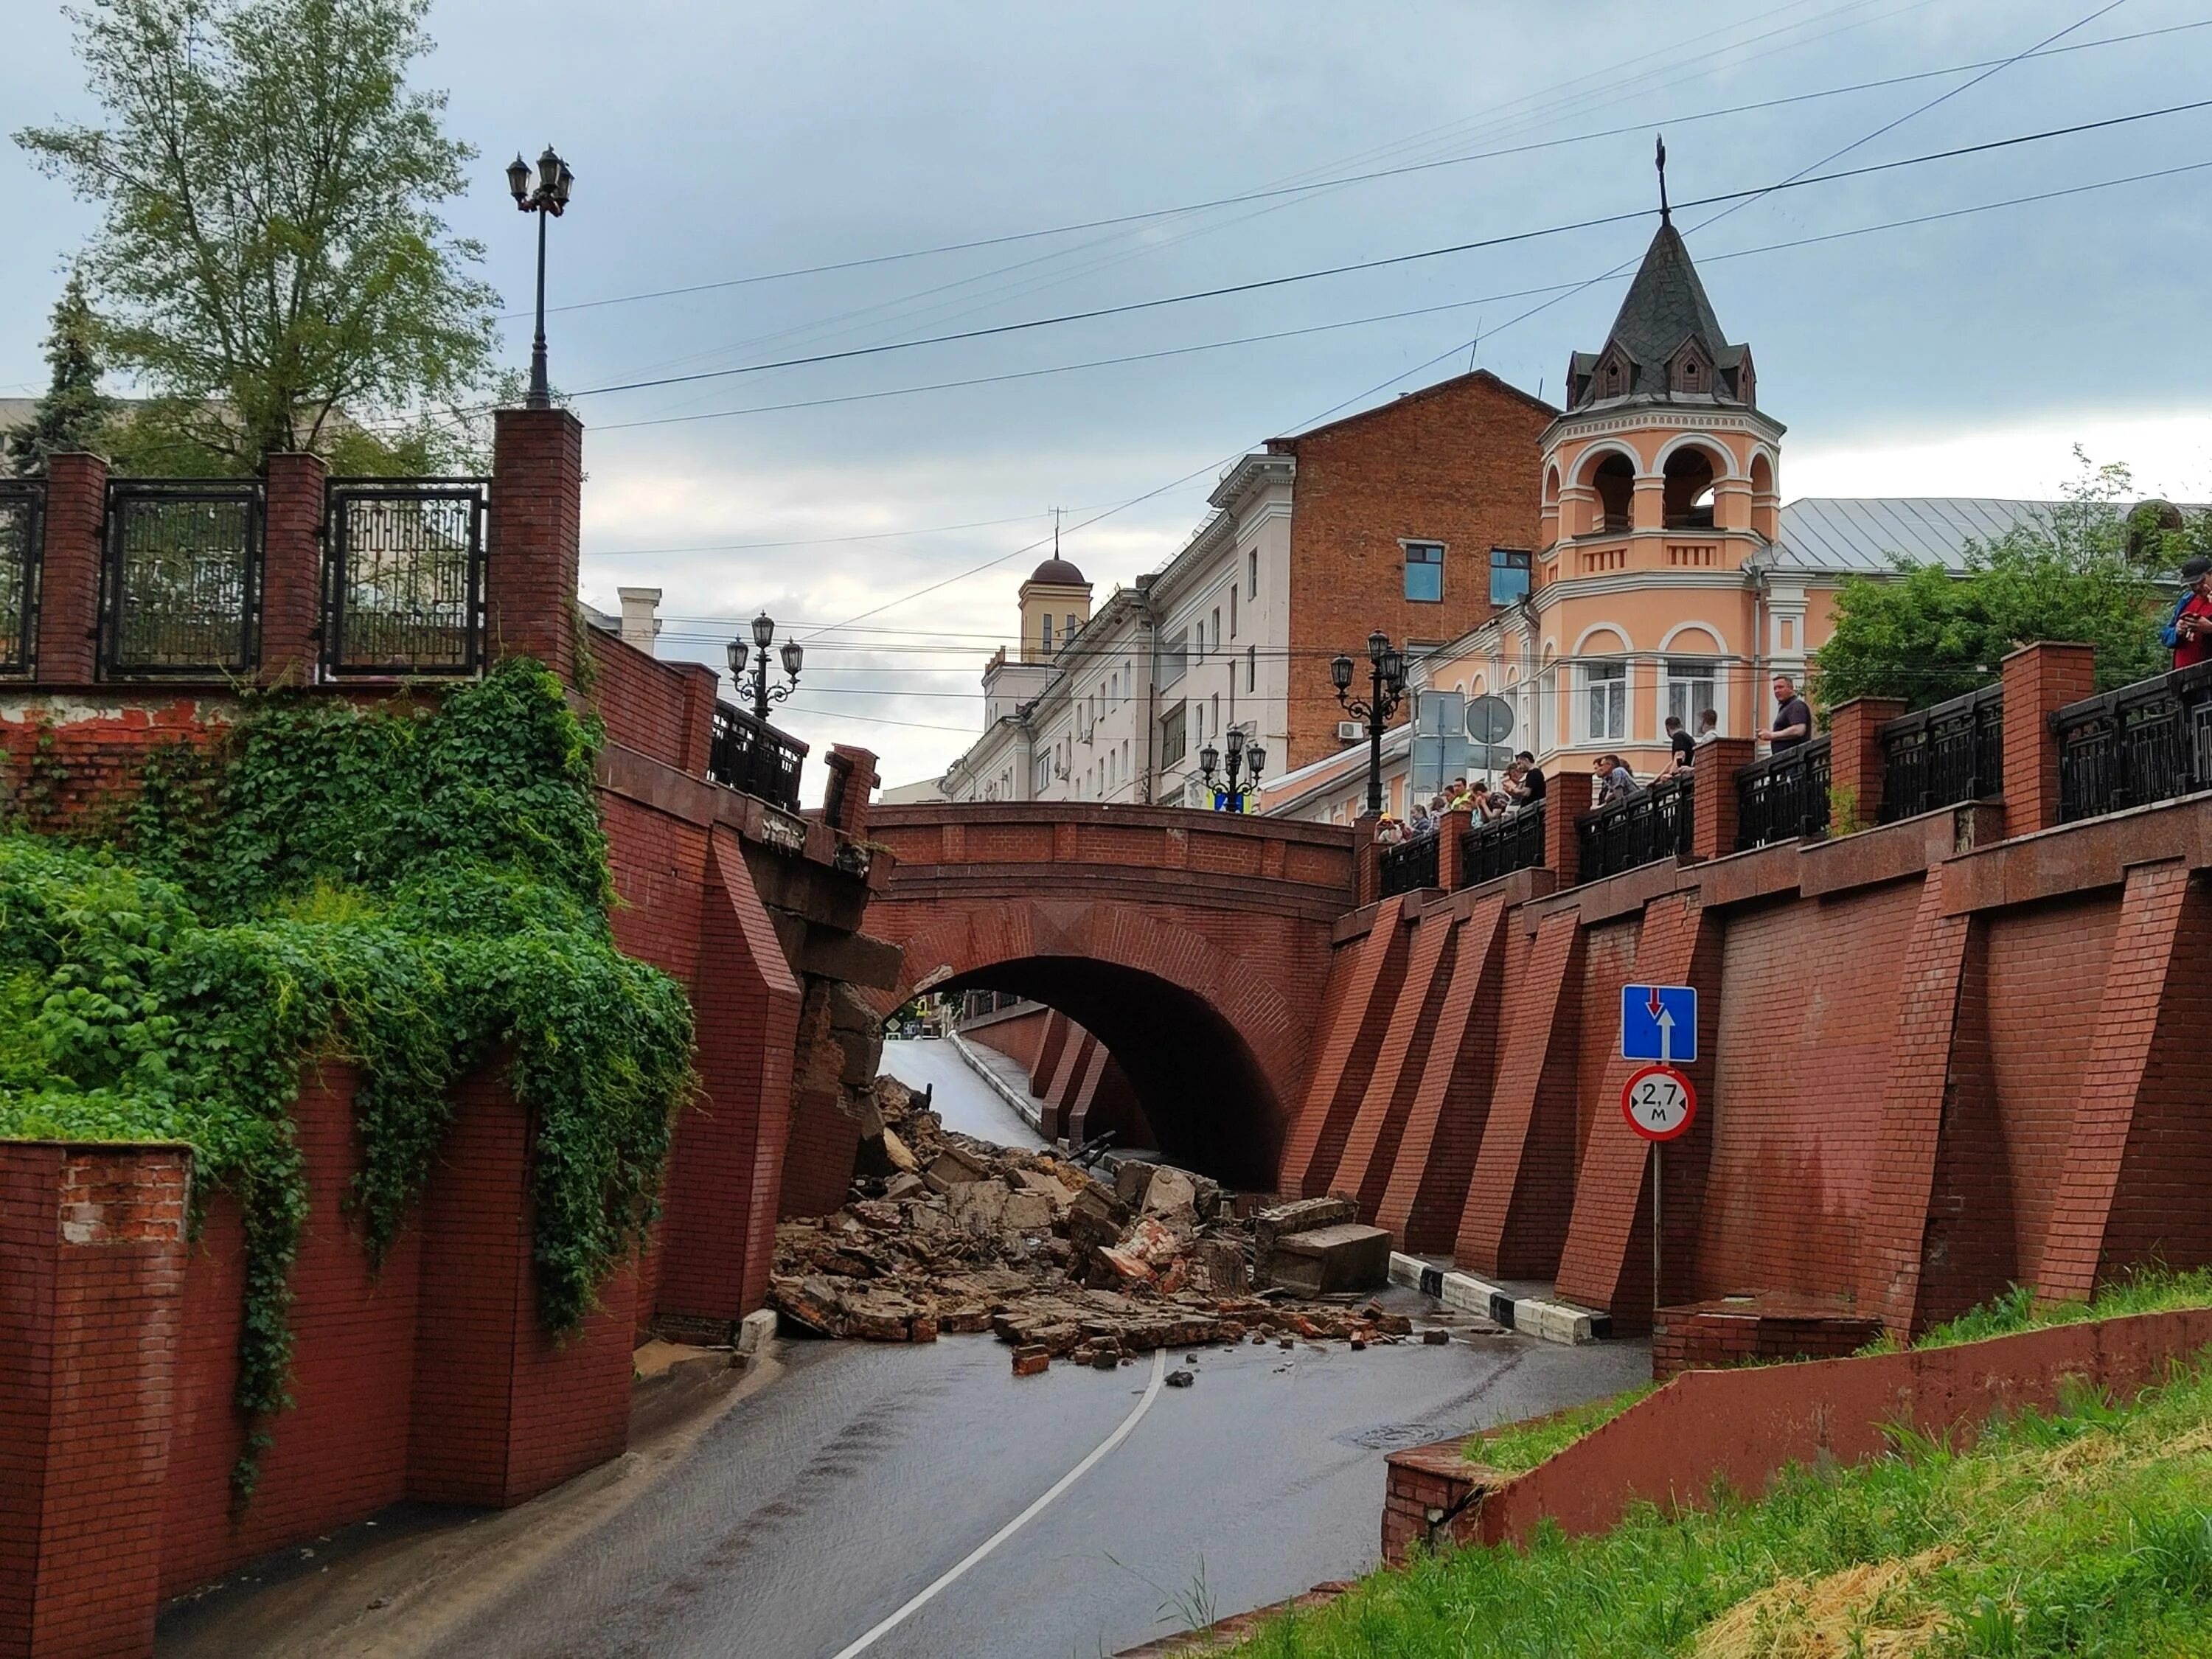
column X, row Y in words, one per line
column 714, row 143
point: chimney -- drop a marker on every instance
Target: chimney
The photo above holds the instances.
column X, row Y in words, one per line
column 640, row 626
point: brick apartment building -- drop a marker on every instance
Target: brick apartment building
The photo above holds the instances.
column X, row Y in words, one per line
column 1416, row 517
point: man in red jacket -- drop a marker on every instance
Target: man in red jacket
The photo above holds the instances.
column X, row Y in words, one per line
column 2188, row 631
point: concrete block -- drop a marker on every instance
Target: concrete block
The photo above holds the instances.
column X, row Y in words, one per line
column 1327, row 1260
column 754, row 1331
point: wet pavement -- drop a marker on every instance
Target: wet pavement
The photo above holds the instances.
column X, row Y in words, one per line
column 830, row 1501
column 964, row 1102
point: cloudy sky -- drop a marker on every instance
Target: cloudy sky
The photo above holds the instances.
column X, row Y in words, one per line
column 718, row 148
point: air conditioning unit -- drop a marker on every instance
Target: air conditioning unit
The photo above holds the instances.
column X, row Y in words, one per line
column 1351, row 731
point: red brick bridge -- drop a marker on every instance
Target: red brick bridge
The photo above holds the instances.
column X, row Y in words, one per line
column 1193, row 946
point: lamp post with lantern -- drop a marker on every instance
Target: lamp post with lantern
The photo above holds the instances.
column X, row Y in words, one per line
column 1387, row 689
column 548, row 201
column 1232, row 791
column 755, row 684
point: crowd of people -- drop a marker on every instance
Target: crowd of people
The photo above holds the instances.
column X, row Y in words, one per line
column 1484, row 802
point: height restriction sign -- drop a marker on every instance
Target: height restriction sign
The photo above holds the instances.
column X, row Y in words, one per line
column 1658, row 1102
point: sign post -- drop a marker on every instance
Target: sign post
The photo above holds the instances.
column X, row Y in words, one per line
column 1658, row 1025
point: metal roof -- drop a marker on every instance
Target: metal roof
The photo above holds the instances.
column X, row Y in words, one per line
column 1863, row 535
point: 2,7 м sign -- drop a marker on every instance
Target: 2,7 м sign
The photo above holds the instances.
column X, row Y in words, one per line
column 1658, row 1102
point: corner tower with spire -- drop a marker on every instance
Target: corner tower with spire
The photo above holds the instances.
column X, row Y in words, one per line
column 1662, row 460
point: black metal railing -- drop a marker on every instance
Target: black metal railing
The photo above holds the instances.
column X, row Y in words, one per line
column 180, row 580
column 1783, row 796
column 1410, row 865
column 22, row 519
column 2134, row 744
column 404, row 576
column 1943, row 755
column 1515, row 841
column 1652, row 824
column 754, row 758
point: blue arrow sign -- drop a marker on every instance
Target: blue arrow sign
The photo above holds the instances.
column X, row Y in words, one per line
column 1659, row 1022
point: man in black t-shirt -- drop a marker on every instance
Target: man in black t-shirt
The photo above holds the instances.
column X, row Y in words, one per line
column 1682, row 749
column 1793, row 717
column 1526, row 786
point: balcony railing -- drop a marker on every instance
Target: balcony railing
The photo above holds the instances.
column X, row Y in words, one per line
column 1652, row 824
column 752, row 757
column 21, row 508
column 1943, row 755
column 1783, row 796
column 2151, row 741
column 1410, row 865
column 1515, row 841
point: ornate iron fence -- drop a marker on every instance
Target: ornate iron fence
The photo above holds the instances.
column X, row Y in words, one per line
column 22, row 516
column 180, row 583
column 1783, row 796
column 754, row 758
column 1515, row 841
column 1652, row 824
column 1410, row 865
column 1943, row 755
column 2139, row 743
column 404, row 576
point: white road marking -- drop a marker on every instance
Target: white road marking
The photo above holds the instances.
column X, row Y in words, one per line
column 1151, row 1393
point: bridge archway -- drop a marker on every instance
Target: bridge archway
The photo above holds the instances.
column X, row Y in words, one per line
column 1193, row 946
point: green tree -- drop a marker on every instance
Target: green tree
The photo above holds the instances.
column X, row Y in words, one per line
column 72, row 412
column 272, row 265
column 2084, row 569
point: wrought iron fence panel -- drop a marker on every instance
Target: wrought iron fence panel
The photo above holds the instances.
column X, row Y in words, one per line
column 1783, row 796
column 1943, row 755
column 1652, row 824
column 754, row 758
column 2151, row 741
column 180, row 585
column 1410, row 865
column 1515, row 841
column 404, row 581
column 22, row 519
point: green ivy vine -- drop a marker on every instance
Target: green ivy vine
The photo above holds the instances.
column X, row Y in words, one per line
column 405, row 888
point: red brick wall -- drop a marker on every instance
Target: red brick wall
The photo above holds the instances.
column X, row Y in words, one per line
column 1457, row 463
column 1019, row 1036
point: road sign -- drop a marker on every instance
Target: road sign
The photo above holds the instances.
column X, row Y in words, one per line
column 1659, row 1022
column 1489, row 719
column 1659, row 1102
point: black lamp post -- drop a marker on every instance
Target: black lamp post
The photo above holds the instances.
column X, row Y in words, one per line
column 548, row 201
column 1387, row 682
column 755, row 684
column 1241, row 756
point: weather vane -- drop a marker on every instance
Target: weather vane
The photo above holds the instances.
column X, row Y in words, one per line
column 1665, row 217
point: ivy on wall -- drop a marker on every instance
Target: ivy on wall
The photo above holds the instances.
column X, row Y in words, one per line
column 405, row 889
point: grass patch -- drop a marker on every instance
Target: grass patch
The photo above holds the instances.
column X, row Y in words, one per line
column 2147, row 1289
column 1518, row 1446
column 2086, row 1532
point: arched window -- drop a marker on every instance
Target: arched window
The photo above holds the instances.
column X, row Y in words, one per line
column 1615, row 483
column 1689, row 489
column 1765, row 519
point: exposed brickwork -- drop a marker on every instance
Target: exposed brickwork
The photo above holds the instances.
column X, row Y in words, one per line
column 1706, row 1335
column 68, row 572
column 1443, row 1127
column 1712, row 795
column 1856, row 770
column 2038, row 680
column 663, row 710
column 1359, row 1021
column 291, row 570
column 537, row 501
column 852, row 789
column 1371, row 1147
column 1455, row 463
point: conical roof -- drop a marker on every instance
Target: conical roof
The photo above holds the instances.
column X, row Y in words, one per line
column 1666, row 304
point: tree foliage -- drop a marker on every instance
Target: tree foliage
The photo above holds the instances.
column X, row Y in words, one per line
column 72, row 412
column 2085, row 569
column 271, row 264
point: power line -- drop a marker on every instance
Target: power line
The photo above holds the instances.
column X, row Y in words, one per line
column 1743, row 196
column 1273, row 192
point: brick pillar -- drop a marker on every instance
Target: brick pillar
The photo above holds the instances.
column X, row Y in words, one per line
column 1366, row 865
column 1856, row 770
column 537, row 504
column 700, row 686
column 91, row 1258
column 853, row 782
column 291, row 570
column 1565, row 799
column 69, row 578
column 1712, row 795
column 2040, row 680
column 1450, row 874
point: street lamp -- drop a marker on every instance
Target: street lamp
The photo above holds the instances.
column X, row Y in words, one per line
column 1387, row 683
column 755, row 684
column 1241, row 755
column 549, row 201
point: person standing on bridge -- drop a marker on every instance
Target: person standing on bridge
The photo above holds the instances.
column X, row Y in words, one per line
column 2188, row 631
column 1793, row 717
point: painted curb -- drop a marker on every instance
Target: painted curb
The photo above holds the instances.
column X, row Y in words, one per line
column 1550, row 1322
column 1023, row 1106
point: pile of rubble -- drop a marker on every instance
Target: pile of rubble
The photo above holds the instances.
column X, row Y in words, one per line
column 948, row 1233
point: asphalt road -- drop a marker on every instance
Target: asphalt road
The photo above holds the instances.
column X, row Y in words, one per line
column 828, row 1502
column 962, row 1099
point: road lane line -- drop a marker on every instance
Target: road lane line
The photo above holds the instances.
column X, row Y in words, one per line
column 1151, row 1393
